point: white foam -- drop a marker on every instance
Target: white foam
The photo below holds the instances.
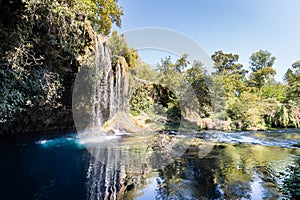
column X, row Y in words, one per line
column 42, row 142
column 98, row 139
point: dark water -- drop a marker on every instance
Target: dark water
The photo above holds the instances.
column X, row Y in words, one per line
column 244, row 165
column 32, row 169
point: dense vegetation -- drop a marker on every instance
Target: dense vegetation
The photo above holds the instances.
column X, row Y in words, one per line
column 257, row 99
column 43, row 43
column 249, row 99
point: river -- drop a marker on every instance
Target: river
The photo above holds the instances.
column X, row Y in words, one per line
column 214, row 165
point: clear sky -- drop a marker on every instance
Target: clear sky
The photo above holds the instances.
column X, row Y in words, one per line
column 234, row 26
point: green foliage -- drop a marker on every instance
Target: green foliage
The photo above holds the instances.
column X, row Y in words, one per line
column 291, row 182
column 158, row 98
column 274, row 90
column 44, row 31
column 119, row 47
column 152, row 98
column 178, row 67
column 141, row 100
column 200, row 82
column 269, row 111
column 171, row 74
column 43, row 42
column 292, row 77
column 23, row 91
column 181, row 63
column 247, row 110
column 261, row 59
column 218, row 98
column 254, row 111
column 264, row 103
column 134, row 112
column 261, row 64
column 226, row 63
column 143, row 71
column 282, row 117
column 226, row 94
column 231, row 73
column 101, row 13
column 294, row 113
column 174, row 113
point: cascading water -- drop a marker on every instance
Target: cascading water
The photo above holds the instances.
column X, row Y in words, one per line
column 109, row 95
column 111, row 84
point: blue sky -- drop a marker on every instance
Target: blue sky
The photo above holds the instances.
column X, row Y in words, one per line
column 234, row 26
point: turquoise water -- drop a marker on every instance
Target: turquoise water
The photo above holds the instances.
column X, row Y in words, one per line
column 239, row 165
column 46, row 168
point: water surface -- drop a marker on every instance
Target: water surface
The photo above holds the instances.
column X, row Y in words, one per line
column 236, row 165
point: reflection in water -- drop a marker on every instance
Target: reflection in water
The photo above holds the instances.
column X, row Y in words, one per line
column 126, row 167
column 229, row 171
column 119, row 162
column 104, row 181
column 109, row 169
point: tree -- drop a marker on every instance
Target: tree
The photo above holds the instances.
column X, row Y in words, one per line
column 231, row 72
column 165, row 65
column 274, row 90
column 101, row 13
column 44, row 43
column 119, row 47
column 181, row 63
column 247, row 109
column 200, row 82
column 292, row 77
column 172, row 74
column 261, row 64
column 145, row 72
column 226, row 63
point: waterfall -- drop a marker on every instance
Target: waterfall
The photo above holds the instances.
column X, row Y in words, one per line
column 109, row 95
column 111, row 87
column 101, row 90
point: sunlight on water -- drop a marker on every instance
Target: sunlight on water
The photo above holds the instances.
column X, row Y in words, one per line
column 70, row 140
column 256, row 188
